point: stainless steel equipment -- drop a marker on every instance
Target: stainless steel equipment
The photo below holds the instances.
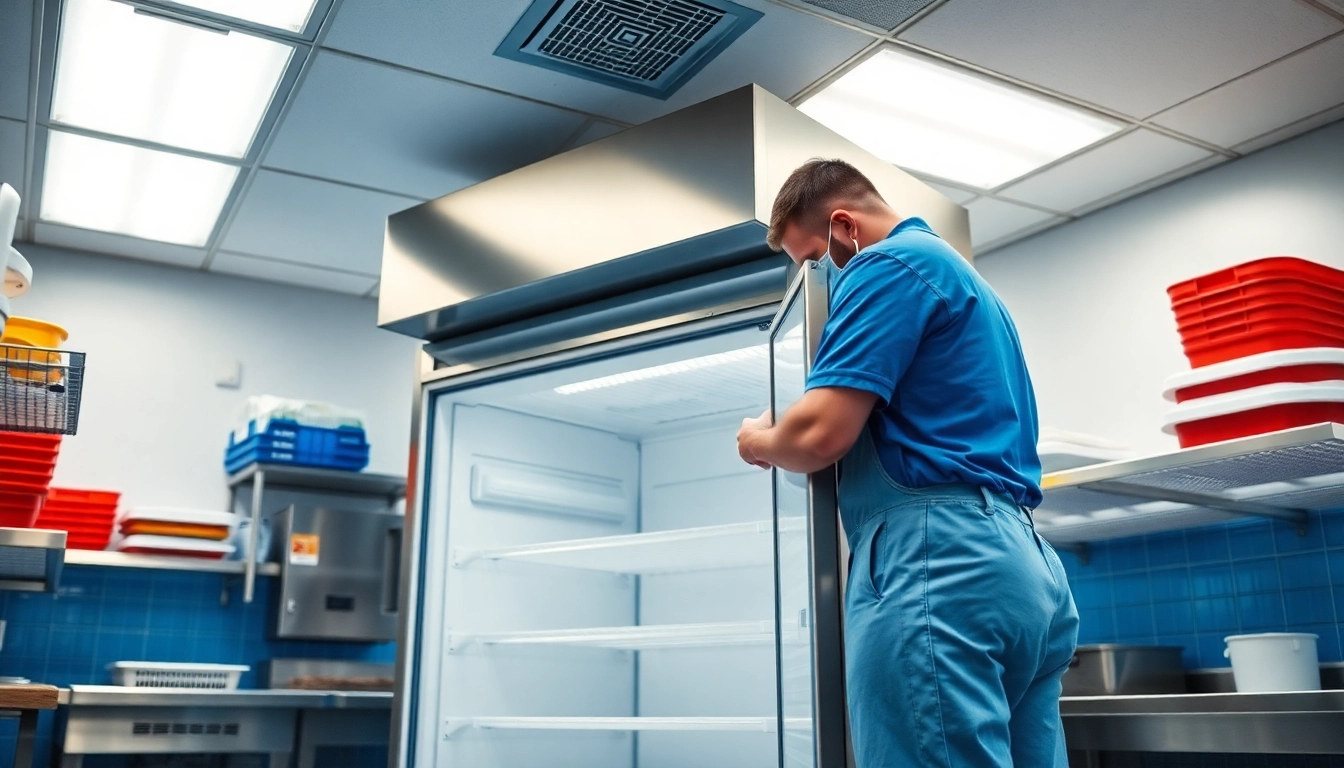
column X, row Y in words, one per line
column 591, row 571
column 110, row 720
column 334, row 728
column 31, row 560
column 674, row 198
column 1111, row 669
column 339, row 571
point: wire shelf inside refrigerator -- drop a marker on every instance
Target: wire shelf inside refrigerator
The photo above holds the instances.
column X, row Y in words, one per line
column 40, row 389
column 685, row 549
column 455, row 725
column 644, row 638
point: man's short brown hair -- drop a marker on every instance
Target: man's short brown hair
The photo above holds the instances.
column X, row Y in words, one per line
column 813, row 188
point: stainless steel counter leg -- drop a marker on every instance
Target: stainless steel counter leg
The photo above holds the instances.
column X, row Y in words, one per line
column 23, row 748
column 280, row 759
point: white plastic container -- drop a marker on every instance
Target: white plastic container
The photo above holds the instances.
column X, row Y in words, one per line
column 153, row 674
column 1242, row 366
column 1274, row 662
column 172, row 546
column 1216, row 406
column 1060, row 450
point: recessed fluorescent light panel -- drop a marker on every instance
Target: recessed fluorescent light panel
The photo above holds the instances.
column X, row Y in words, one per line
column 946, row 122
column 134, row 75
column 111, row 187
column 669, row 369
column 290, row 15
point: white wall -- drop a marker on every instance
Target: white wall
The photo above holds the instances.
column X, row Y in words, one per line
column 1090, row 297
column 154, row 425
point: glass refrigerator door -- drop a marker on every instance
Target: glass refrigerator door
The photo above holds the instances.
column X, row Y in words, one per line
column 811, row 668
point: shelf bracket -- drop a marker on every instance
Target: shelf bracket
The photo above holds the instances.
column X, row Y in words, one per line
column 1247, row 508
column 455, row 725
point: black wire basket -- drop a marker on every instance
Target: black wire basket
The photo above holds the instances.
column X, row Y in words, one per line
column 40, row 389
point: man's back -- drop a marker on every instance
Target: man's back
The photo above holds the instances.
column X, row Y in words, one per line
column 913, row 323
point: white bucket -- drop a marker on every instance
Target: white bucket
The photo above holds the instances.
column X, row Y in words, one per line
column 1274, row 661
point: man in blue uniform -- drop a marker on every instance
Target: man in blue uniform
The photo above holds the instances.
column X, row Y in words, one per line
column 959, row 622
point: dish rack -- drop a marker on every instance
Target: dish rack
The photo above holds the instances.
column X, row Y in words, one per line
column 147, row 674
column 40, row 389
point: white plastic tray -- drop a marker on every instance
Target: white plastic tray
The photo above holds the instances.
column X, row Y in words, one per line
column 1251, row 399
column 1241, row 366
column 17, row 274
column 171, row 544
column 177, row 515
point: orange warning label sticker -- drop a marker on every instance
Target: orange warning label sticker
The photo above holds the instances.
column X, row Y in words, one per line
column 304, row 548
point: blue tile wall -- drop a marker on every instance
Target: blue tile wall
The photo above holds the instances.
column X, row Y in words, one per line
column 102, row 615
column 1193, row 588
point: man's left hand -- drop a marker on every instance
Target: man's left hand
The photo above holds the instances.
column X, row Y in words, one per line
column 745, row 435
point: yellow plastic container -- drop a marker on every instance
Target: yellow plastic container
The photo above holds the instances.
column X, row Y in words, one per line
column 29, row 332
column 34, row 333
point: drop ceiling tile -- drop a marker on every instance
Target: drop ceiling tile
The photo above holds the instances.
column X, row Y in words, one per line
column 242, row 265
column 993, row 219
column 1284, row 92
column 784, row 52
column 955, row 194
column 117, row 245
column 313, row 222
column 13, row 145
column 1116, row 165
column 986, row 249
column 1136, row 58
column 16, row 32
column 365, row 123
column 1151, row 184
column 1288, row 131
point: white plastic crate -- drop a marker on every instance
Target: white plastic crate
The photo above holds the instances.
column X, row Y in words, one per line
column 150, row 674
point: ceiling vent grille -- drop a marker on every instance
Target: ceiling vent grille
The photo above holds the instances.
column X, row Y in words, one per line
column 883, row 14
column 650, row 47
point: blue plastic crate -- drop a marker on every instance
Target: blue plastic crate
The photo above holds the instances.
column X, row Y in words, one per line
column 288, row 442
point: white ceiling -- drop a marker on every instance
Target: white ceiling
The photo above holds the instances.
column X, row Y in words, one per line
column 397, row 103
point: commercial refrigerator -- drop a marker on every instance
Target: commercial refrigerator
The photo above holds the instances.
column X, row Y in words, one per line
column 593, row 578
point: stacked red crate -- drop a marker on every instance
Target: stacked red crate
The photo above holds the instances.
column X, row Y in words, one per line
column 27, row 463
column 1266, row 341
column 88, row 517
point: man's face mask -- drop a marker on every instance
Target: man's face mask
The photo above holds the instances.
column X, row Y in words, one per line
column 827, row 258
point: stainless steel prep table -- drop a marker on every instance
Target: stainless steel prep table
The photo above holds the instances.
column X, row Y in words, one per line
column 104, row 720
column 1310, row 722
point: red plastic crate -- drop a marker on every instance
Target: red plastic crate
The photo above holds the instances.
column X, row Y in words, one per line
column 1257, row 422
column 19, row 510
column 1274, row 267
column 1278, row 307
column 84, row 497
column 1265, row 289
column 1268, row 338
column 31, row 466
column 1328, row 323
column 1288, row 374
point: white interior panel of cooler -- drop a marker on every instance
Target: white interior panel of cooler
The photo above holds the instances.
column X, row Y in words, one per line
column 477, row 680
column 599, row 573
column 695, row 480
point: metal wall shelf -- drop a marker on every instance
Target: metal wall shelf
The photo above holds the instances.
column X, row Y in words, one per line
column 151, row 562
column 322, row 480
column 1278, row 475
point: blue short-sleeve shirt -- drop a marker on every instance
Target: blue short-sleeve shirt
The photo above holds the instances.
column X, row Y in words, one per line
column 914, row 324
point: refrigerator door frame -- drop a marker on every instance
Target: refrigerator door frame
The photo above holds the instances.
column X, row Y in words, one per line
column 825, row 541
column 433, row 382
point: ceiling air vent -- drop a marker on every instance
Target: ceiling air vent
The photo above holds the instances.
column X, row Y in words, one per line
column 646, row 46
column 884, row 14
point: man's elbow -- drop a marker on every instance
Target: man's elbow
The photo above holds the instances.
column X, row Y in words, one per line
column 825, row 447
